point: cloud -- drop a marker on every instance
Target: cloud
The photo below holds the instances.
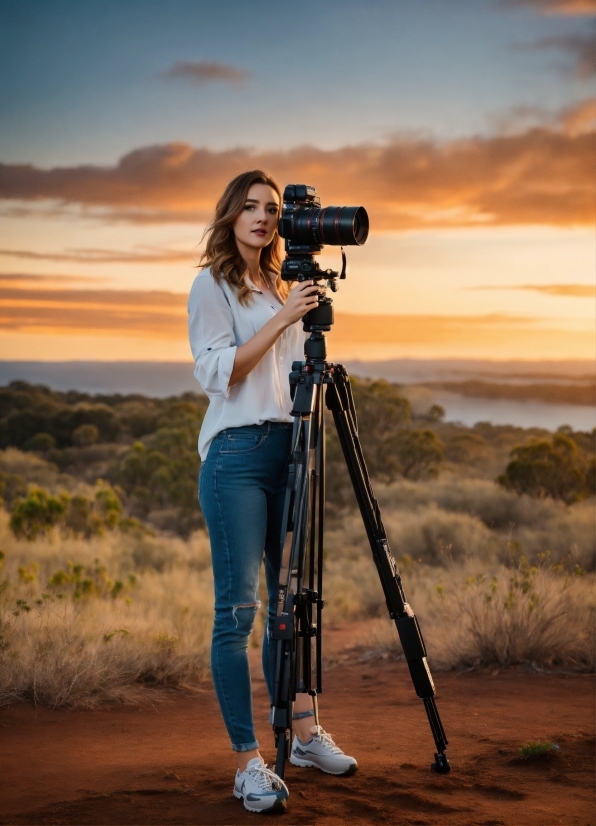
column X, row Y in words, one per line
column 580, row 118
column 102, row 256
column 203, row 72
column 543, row 175
column 30, row 278
column 95, row 298
column 160, row 316
column 150, row 313
column 571, row 290
column 577, row 119
column 554, row 7
column 566, row 290
column 580, row 47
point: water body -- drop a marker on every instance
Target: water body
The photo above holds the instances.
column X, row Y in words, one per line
column 470, row 410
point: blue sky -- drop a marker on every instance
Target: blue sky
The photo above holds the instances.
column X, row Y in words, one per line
column 83, row 80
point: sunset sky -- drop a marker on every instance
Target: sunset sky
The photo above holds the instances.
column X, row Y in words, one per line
column 465, row 127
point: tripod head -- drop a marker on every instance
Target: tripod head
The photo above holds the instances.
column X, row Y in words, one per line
column 304, row 267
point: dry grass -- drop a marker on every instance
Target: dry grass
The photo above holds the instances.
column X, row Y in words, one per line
column 98, row 635
column 109, row 642
column 452, row 519
column 537, row 617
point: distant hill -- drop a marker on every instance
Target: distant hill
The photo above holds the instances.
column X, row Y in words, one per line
column 162, row 379
column 156, row 379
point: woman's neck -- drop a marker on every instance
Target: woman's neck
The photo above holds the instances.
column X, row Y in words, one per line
column 252, row 259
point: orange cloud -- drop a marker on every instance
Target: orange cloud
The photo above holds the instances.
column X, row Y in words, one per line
column 543, row 175
column 551, row 7
column 20, row 278
column 580, row 118
column 152, row 313
column 567, row 290
column 161, row 315
column 102, row 256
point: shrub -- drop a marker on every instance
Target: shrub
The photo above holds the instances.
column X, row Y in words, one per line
column 532, row 616
column 427, row 535
column 539, row 750
column 78, row 515
column 96, row 630
column 555, row 468
column 37, row 514
column 41, row 443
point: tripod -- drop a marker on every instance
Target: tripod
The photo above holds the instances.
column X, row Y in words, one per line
column 298, row 624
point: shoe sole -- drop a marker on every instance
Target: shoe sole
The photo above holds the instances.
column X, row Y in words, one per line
column 278, row 806
column 308, row 764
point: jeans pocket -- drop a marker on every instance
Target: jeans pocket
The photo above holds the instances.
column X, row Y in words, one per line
column 238, row 443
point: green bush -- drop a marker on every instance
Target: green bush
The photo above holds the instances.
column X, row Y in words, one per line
column 40, row 443
column 77, row 515
column 555, row 468
column 37, row 514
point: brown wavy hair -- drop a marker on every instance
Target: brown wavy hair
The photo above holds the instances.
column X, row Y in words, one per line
column 222, row 255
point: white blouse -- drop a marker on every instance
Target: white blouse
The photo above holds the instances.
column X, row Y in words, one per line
column 217, row 325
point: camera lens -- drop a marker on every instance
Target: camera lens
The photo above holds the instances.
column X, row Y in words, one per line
column 343, row 225
column 331, row 225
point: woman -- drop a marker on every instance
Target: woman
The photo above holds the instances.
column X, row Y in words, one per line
column 245, row 332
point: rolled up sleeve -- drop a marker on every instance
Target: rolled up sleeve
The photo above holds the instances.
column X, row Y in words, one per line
column 211, row 335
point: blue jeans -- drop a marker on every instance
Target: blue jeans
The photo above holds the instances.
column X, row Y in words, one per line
column 242, row 487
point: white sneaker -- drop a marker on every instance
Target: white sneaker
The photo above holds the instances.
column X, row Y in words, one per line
column 260, row 788
column 321, row 753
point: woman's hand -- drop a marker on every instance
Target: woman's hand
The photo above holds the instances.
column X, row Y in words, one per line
column 300, row 300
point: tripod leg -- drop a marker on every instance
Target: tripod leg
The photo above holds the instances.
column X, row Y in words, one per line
column 340, row 402
column 292, row 631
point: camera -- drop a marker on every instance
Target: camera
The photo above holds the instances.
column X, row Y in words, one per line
column 306, row 228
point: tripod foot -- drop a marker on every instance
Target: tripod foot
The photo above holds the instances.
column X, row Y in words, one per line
column 441, row 764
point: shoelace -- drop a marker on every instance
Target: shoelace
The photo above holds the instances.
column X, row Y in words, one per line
column 326, row 739
column 265, row 778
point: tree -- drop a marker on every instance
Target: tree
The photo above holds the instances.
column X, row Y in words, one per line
column 554, row 468
column 420, row 452
column 435, row 413
column 382, row 413
column 85, row 435
column 40, row 443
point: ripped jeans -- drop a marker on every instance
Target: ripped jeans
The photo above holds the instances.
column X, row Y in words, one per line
column 242, row 487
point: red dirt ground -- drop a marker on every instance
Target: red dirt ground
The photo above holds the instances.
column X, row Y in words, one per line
column 171, row 763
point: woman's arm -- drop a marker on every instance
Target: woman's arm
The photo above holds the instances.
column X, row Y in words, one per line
column 300, row 300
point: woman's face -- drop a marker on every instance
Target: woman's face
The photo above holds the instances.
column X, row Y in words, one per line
column 257, row 222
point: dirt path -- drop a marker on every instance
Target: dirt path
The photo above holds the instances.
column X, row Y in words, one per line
column 171, row 763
